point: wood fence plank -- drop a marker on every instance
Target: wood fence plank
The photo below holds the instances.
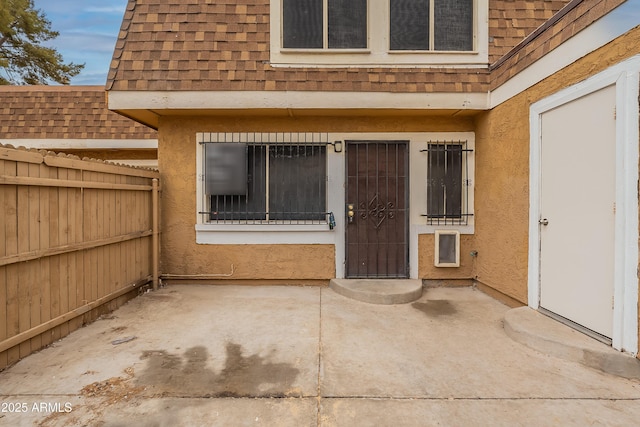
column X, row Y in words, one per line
column 121, row 261
column 92, row 283
column 87, row 215
column 24, row 273
column 73, row 247
column 113, row 254
column 22, row 156
column 11, row 247
column 46, row 182
column 46, row 222
column 35, row 267
column 76, row 270
column 102, row 251
column 99, row 252
column 131, row 212
column 64, row 260
column 3, row 273
column 139, row 224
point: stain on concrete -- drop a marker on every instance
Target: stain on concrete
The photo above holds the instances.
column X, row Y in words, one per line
column 189, row 375
column 435, row 308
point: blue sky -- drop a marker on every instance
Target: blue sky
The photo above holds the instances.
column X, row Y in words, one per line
column 88, row 31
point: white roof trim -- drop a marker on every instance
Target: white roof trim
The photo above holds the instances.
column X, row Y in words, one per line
column 237, row 100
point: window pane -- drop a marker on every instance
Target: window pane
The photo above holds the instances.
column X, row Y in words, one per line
column 409, row 28
column 347, row 24
column 302, row 24
column 453, row 181
column 251, row 206
column 447, row 252
column 297, row 182
column 444, row 181
column 453, row 25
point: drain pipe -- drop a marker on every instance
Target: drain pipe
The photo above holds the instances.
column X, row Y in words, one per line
column 199, row 276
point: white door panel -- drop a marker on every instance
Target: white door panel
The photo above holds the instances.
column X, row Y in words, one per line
column 578, row 147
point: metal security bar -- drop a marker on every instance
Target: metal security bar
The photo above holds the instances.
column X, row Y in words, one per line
column 447, row 183
column 265, row 178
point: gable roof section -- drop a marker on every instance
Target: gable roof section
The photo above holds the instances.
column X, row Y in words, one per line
column 63, row 112
column 223, row 45
column 573, row 18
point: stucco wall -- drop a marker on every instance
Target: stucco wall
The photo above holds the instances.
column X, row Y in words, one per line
column 427, row 270
column 502, row 171
column 177, row 162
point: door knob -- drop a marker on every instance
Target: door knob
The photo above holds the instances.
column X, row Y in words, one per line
column 350, row 213
column 544, row 221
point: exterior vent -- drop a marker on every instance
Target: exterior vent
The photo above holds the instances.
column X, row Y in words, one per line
column 447, row 251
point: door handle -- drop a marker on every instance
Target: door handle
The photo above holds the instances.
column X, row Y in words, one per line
column 543, row 221
column 350, row 213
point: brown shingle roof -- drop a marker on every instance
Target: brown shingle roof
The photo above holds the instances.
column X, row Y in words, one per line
column 510, row 21
column 63, row 112
column 224, row 45
column 575, row 17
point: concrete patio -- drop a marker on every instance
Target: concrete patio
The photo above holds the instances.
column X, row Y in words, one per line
column 306, row 356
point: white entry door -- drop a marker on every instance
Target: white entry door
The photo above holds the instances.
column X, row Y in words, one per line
column 577, row 210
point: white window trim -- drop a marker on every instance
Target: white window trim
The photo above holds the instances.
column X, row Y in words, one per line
column 418, row 171
column 222, row 234
column 378, row 52
column 260, row 138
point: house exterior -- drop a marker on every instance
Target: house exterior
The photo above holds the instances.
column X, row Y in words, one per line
column 484, row 140
column 74, row 120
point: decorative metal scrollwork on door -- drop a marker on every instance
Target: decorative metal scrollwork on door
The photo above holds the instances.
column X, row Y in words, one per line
column 377, row 211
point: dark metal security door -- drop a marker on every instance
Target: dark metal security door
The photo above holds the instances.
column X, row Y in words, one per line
column 376, row 209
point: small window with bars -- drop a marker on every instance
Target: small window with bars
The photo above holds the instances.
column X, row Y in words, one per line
column 265, row 178
column 448, row 183
column 431, row 25
column 324, row 24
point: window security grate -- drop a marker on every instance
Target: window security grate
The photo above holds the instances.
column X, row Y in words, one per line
column 447, row 183
column 265, row 178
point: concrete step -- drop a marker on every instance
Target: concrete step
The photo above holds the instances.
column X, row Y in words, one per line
column 379, row 291
column 548, row 336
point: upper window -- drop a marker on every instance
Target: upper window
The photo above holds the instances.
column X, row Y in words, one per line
column 438, row 25
column 381, row 32
column 324, row 24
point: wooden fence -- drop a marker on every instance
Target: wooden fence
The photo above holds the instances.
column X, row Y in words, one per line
column 77, row 239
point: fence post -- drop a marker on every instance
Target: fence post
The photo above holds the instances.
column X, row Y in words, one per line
column 154, row 239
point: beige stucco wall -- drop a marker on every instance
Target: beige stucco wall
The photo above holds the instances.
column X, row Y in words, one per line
column 502, row 171
column 177, row 162
column 426, row 256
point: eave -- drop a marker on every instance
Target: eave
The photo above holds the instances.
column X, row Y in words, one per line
column 148, row 106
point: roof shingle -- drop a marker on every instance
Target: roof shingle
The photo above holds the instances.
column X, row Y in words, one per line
column 223, row 45
column 63, row 112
